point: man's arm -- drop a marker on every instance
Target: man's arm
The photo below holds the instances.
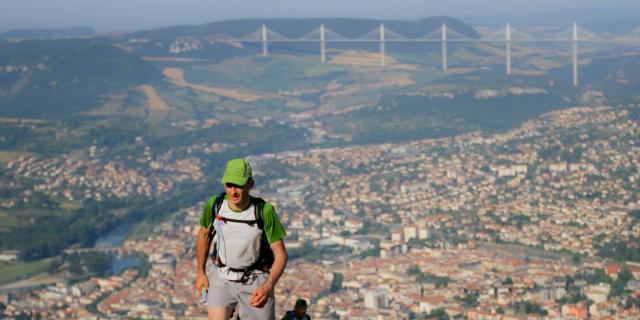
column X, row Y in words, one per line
column 280, row 256
column 202, row 251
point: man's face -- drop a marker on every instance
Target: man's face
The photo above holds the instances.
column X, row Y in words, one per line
column 238, row 196
column 300, row 310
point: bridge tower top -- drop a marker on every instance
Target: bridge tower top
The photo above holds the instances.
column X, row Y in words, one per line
column 444, row 31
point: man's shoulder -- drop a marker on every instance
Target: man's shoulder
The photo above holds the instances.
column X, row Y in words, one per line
column 215, row 200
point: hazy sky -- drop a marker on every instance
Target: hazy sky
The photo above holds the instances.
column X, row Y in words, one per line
column 124, row 15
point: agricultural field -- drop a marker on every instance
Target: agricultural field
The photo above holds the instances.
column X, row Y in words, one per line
column 12, row 271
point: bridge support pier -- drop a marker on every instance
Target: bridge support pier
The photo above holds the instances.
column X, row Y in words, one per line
column 508, row 48
column 382, row 48
column 265, row 47
column 444, row 47
column 575, row 55
column 323, row 52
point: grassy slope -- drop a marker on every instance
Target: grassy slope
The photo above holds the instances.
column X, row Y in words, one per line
column 13, row 271
column 60, row 77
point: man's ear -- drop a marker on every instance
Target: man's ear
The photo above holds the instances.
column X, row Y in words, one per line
column 250, row 184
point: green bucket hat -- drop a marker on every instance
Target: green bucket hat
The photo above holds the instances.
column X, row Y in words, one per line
column 238, row 172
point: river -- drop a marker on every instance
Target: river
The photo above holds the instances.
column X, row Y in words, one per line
column 114, row 239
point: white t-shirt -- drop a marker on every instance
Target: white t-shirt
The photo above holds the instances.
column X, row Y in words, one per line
column 238, row 243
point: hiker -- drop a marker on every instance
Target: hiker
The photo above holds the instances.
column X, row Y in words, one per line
column 249, row 255
column 299, row 311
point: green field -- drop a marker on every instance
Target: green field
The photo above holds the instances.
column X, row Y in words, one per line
column 6, row 156
column 8, row 220
column 12, row 218
column 320, row 70
column 14, row 271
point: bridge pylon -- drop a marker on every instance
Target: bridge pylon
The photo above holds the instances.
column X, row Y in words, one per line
column 575, row 54
column 323, row 51
column 382, row 48
column 508, row 48
column 265, row 46
column 444, row 47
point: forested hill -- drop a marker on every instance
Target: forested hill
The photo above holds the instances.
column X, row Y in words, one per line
column 60, row 77
column 47, row 33
column 295, row 28
column 44, row 78
column 198, row 41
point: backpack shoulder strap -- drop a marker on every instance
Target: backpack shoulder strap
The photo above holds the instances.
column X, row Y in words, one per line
column 213, row 207
column 208, row 209
column 258, row 208
column 217, row 205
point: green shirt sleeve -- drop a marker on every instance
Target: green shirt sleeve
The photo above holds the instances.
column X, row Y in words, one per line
column 272, row 226
column 205, row 218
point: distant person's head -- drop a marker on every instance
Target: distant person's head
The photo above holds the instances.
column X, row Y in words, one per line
column 300, row 308
column 237, row 181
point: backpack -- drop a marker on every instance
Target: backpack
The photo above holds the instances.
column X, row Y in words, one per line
column 265, row 257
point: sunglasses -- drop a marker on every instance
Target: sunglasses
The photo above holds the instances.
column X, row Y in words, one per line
column 232, row 185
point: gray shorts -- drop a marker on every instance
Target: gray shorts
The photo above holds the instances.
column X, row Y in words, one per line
column 226, row 293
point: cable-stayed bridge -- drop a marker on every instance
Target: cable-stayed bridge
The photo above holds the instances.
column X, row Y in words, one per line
column 443, row 35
